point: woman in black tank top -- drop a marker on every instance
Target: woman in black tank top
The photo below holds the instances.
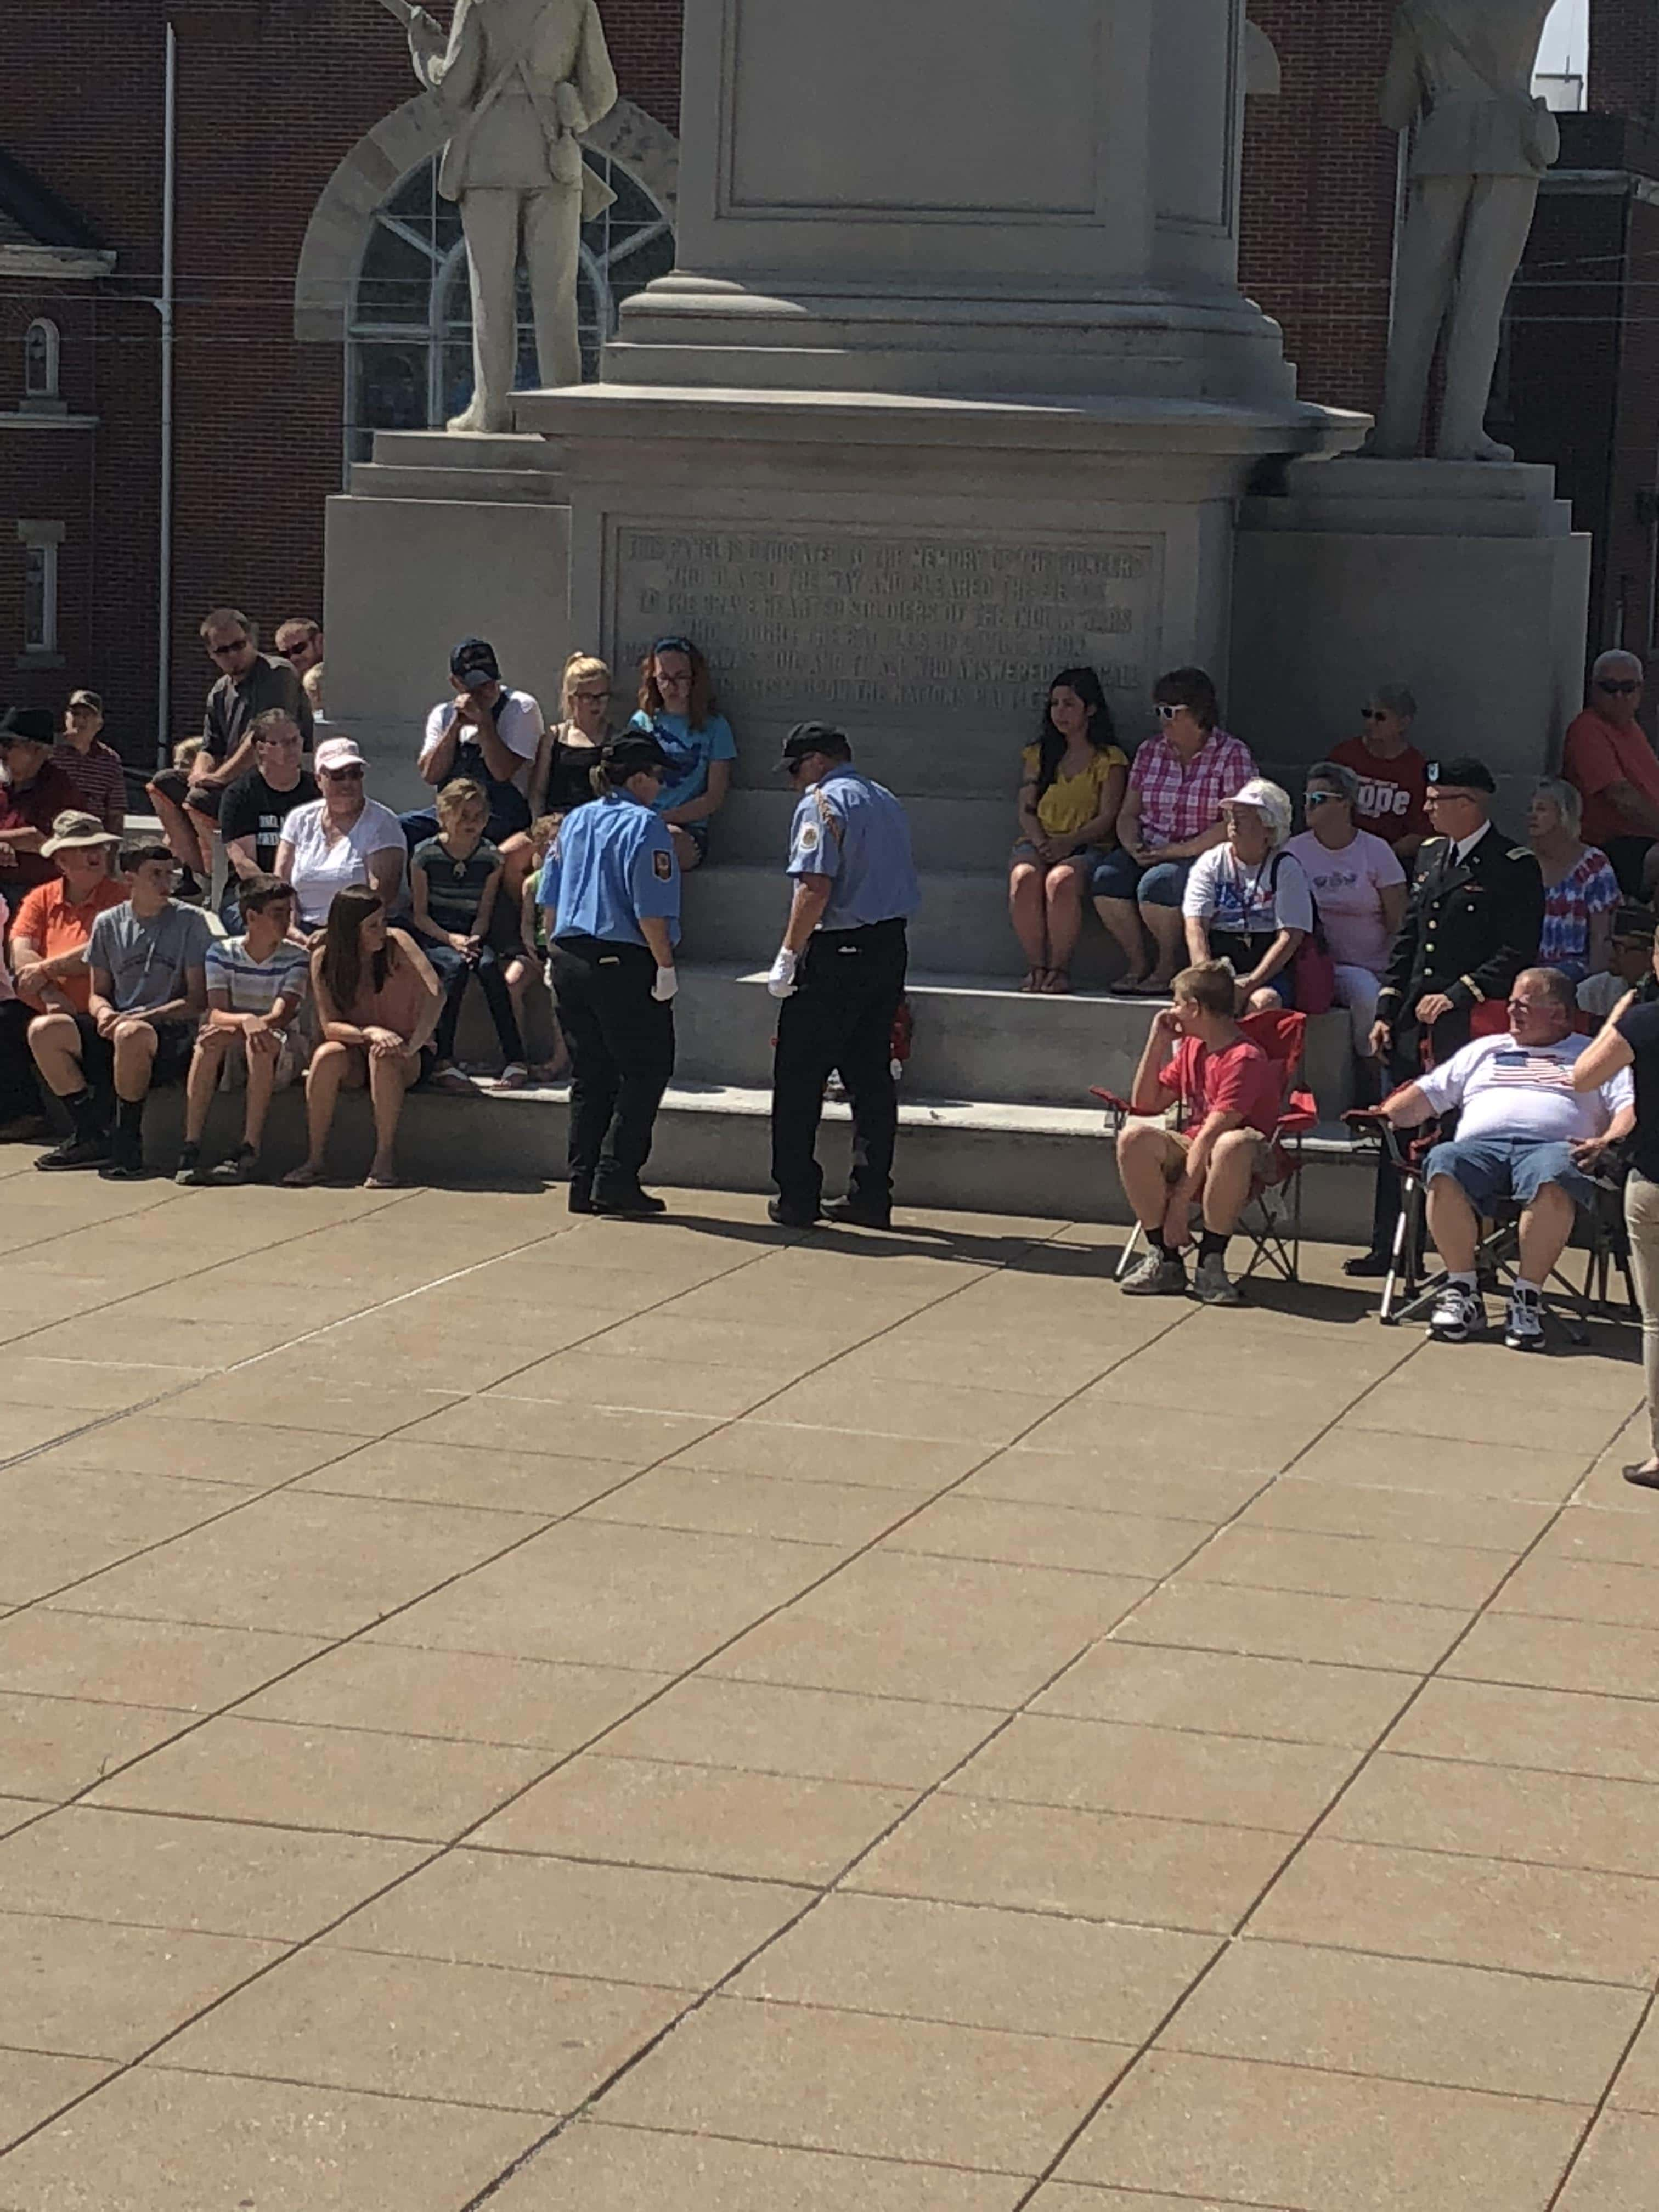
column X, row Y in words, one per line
column 562, row 776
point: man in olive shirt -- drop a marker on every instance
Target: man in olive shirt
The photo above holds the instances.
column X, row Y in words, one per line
column 251, row 683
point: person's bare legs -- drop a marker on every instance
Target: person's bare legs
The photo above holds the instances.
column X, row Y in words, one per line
column 1169, row 934
column 1453, row 1225
column 329, row 1066
column 265, row 1052
column 1063, row 896
column 1545, row 1228
column 1233, row 1164
column 1121, row 919
column 1149, row 1160
column 182, row 840
column 54, row 1042
column 389, row 1075
column 135, row 1056
column 206, row 1065
column 1031, row 927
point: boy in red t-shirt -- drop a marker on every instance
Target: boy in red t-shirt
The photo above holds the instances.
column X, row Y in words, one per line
column 1196, row 1056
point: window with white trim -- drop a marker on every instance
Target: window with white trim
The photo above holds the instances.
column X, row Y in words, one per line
column 42, row 543
column 42, row 349
column 409, row 357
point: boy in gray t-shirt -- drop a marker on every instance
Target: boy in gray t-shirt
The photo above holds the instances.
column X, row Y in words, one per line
column 148, row 962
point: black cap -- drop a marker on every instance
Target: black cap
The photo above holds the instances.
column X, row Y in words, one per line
column 1473, row 774
column 634, row 753
column 812, row 738
column 33, row 725
column 473, row 664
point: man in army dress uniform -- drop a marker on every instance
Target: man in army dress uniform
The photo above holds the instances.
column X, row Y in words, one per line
column 1472, row 924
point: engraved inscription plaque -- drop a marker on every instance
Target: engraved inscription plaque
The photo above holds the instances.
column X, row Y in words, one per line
column 897, row 630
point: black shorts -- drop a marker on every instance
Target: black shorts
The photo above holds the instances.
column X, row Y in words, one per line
column 174, row 783
column 175, row 1043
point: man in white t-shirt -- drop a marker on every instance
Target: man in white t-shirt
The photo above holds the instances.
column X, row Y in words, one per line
column 1521, row 1134
column 490, row 734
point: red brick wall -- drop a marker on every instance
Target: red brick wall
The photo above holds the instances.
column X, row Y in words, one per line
column 1624, row 58
column 1319, row 181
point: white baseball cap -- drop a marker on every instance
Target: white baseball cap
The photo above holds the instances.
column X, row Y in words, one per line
column 336, row 753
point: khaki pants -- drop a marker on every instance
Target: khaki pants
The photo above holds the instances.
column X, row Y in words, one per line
column 1642, row 1219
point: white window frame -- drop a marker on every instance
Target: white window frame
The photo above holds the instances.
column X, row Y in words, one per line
column 50, row 392
column 41, row 543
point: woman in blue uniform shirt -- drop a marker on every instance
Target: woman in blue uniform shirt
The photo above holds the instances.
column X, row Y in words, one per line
column 677, row 707
column 611, row 888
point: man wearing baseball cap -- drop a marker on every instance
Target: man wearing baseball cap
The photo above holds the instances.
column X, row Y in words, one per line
column 491, row 733
column 93, row 768
column 840, row 975
column 1473, row 922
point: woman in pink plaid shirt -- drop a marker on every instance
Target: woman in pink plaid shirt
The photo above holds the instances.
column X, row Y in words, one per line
column 1171, row 813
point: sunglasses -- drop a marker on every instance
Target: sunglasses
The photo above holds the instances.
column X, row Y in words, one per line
column 1375, row 715
column 225, row 652
column 1620, row 689
column 1322, row 798
column 1167, row 713
column 593, row 698
column 341, row 774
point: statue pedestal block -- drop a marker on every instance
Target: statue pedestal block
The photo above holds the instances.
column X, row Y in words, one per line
column 1464, row 580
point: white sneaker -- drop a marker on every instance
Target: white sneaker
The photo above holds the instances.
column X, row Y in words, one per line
column 1155, row 1276
column 1524, row 1330
column 1212, row 1285
column 1458, row 1316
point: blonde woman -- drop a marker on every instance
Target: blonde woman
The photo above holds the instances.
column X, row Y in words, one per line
column 569, row 752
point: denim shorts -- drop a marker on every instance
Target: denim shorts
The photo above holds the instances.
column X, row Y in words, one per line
column 1118, row 877
column 1488, row 1168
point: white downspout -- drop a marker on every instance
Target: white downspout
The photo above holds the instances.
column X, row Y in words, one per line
column 164, row 579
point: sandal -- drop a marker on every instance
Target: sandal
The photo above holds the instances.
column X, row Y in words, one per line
column 1059, row 983
column 453, row 1081
column 1646, row 1478
column 515, row 1076
column 1035, row 979
column 371, row 1182
column 304, row 1177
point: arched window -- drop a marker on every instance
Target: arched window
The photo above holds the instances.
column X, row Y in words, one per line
column 40, row 352
column 409, row 353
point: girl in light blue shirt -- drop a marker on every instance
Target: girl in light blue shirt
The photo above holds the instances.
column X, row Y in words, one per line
column 677, row 706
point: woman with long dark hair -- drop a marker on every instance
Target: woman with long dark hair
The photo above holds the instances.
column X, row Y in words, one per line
column 378, row 1004
column 1074, row 780
column 678, row 708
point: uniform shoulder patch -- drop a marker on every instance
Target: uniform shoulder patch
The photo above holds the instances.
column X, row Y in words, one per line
column 662, row 866
column 808, row 837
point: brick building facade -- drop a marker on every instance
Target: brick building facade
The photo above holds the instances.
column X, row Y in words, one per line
column 272, row 98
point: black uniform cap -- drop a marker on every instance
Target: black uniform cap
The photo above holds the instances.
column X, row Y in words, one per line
column 634, row 753
column 1464, row 770
column 813, row 738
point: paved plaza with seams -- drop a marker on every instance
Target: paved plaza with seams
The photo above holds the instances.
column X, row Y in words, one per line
column 503, row 1710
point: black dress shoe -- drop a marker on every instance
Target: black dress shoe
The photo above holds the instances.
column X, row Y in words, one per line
column 1369, row 1267
column 629, row 1206
column 789, row 1216
column 1644, row 1478
column 853, row 1214
column 579, row 1197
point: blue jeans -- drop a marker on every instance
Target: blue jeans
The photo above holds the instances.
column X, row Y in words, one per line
column 1118, row 877
column 455, row 971
column 1489, row 1167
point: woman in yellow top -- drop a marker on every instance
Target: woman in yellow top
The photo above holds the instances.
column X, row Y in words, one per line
column 1075, row 776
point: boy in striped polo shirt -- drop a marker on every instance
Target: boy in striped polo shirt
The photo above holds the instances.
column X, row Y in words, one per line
column 256, row 985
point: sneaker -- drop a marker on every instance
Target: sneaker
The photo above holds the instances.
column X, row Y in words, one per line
column 1155, row 1276
column 1525, row 1329
column 1212, row 1285
column 1458, row 1316
column 126, row 1156
column 189, row 1170
column 75, row 1152
column 239, row 1167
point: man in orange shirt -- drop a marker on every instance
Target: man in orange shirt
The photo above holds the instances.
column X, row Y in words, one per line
column 54, row 921
column 1608, row 758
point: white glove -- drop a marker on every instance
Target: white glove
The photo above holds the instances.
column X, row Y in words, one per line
column 667, row 983
column 781, row 982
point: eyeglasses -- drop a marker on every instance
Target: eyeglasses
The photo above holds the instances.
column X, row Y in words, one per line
column 227, row 651
column 341, row 774
column 593, row 698
column 1620, row 687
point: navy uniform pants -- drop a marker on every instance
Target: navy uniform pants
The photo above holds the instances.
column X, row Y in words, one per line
column 840, row 1021
column 622, row 1055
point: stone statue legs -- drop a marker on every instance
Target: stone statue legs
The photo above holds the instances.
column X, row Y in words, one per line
column 1463, row 241
column 549, row 222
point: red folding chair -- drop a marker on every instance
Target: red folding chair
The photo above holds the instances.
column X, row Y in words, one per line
column 1272, row 1218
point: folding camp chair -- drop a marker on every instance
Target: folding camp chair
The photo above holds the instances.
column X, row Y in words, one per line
column 1272, row 1218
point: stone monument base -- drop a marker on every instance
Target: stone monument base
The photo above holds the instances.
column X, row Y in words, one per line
column 1464, row 580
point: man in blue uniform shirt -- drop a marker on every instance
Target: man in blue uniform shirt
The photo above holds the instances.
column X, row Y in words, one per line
column 612, row 886
column 841, row 977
